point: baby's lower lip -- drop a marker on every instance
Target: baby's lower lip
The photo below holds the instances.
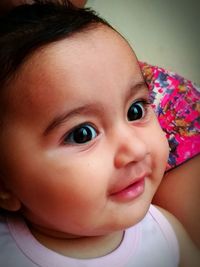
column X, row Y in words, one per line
column 131, row 192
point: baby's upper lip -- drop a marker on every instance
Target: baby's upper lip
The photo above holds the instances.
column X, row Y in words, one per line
column 124, row 183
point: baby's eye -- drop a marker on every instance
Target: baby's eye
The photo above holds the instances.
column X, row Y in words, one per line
column 137, row 110
column 81, row 134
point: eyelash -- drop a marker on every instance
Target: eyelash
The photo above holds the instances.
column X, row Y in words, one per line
column 145, row 103
column 88, row 132
column 84, row 127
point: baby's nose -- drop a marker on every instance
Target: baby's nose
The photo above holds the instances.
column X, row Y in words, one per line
column 131, row 147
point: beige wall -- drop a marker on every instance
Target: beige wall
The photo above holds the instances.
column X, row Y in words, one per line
column 162, row 32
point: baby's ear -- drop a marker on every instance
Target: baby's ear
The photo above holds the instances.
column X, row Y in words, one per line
column 7, row 199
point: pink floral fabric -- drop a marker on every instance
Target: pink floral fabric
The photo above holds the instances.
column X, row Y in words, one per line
column 176, row 102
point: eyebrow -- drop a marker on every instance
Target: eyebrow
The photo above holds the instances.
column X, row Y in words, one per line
column 137, row 87
column 88, row 108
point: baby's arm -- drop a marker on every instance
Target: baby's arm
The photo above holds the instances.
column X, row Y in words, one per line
column 189, row 254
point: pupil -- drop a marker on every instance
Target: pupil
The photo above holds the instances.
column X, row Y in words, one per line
column 135, row 112
column 82, row 135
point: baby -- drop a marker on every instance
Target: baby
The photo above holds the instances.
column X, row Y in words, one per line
column 82, row 153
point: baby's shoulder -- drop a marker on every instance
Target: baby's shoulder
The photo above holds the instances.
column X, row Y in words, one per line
column 3, row 223
column 156, row 240
column 11, row 254
column 158, row 227
column 189, row 254
column 5, row 240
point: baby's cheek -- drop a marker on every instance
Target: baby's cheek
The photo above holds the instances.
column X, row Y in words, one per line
column 162, row 141
column 165, row 144
column 159, row 146
column 163, row 151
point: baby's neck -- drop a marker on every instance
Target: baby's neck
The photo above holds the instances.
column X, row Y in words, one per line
column 80, row 247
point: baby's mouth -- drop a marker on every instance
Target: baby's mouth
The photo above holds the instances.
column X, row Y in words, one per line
column 130, row 192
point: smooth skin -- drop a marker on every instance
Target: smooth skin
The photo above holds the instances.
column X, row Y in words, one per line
column 180, row 189
column 65, row 177
column 43, row 169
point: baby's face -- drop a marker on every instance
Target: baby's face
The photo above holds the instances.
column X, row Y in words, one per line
column 81, row 149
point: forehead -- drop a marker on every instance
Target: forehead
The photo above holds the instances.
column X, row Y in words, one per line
column 100, row 54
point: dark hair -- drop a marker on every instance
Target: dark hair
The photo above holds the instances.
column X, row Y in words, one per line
column 31, row 26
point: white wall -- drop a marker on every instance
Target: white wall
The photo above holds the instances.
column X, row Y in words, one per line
column 162, row 32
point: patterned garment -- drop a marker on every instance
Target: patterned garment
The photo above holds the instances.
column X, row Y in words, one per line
column 176, row 102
